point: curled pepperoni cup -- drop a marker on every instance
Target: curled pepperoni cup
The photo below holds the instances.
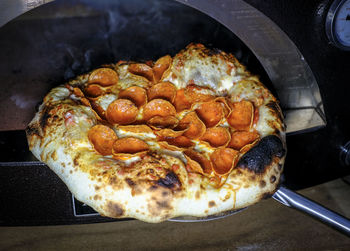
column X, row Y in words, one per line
column 163, row 122
column 104, row 77
column 94, row 90
column 181, row 101
column 163, row 90
column 163, row 134
column 134, row 93
column 121, row 111
column 198, row 162
column 160, row 66
column 241, row 138
column 102, row 138
column 142, row 70
column 129, row 145
column 139, row 129
column 216, row 136
column 241, row 115
column 180, row 141
column 158, row 107
column 193, row 126
column 224, row 159
column 211, row 113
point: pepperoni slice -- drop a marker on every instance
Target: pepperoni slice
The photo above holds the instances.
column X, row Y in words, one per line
column 140, row 129
column 223, row 160
column 102, row 137
column 121, row 111
column 142, row 70
column 158, row 107
column 241, row 116
column 93, row 90
column 163, row 90
column 182, row 102
column 198, row 94
column 104, row 77
column 163, row 122
column 163, row 134
column 136, row 94
column 196, row 157
column 242, row 138
column 211, row 113
column 194, row 127
column 161, row 65
column 216, row 136
column 129, row 145
column 180, row 141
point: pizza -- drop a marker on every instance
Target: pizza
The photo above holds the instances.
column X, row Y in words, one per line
column 195, row 134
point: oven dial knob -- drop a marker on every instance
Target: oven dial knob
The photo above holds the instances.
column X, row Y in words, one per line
column 338, row 24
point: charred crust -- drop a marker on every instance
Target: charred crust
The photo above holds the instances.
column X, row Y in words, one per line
column 114, row 209
column 32, row 130
column 170, row 181
column 273, row 106
column 43, row 121
column 262, row 155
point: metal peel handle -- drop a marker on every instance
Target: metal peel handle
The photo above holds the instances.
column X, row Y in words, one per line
column 294, row 200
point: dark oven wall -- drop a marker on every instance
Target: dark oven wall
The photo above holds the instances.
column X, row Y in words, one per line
column 304, row 23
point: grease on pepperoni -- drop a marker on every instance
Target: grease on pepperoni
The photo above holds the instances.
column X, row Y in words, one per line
column 129, row 145
column 160, row 66
column 158, row 107
column 223, row 160
column 193, row 126
column 216, row 136
column 163, row 90
column 102, row 138
column 198, row 162
column 134, row 93
column 211, row 113
column 121, row 111
column 142, row 70
column 241, row 115
column 163, row 122
column 104, row 77
column 242, row 138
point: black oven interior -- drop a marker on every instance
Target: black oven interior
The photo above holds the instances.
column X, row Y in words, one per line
column 57, row 41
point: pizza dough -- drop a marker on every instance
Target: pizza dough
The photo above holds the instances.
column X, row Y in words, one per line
column 195, row 134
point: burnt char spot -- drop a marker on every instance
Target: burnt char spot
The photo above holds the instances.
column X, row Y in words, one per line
column 261, row 155
column 170, row 181
column 130, row 182
column 115, row 209
column 163, row 204
column 31, row 130
column 275, row 108
column 44, row 117
column 76, row 159
column 262, row 184
column 211, row 203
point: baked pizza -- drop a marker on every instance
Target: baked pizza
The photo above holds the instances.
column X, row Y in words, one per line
column 191, row 135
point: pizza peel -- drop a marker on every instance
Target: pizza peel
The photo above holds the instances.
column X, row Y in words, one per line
column 293, row 200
